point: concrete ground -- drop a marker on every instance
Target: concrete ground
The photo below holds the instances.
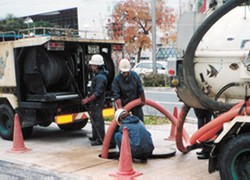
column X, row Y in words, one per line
column 71, row 155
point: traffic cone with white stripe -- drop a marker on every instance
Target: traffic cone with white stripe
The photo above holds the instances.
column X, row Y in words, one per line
column 125, row 169
column 18, row 143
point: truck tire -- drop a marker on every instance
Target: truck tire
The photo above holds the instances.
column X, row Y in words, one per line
column 234, row 159
column 6, row 122
column 73, row 126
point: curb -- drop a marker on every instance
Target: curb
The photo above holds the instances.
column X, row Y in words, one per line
column 157, row 88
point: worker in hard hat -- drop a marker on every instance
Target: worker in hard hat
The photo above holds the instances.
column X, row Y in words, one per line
column 96, row 99
column 141, row 143
column 126, row 87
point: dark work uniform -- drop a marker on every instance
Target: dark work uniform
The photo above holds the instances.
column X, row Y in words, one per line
column 128, row 89
column 141, row 143
column 98, row 87
column 203, row 116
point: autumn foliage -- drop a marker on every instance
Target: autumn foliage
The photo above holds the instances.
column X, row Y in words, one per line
column 132, row 20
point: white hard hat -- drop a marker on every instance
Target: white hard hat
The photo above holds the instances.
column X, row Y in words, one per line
column 124, row 65
column 96, row 59
column 118, row 114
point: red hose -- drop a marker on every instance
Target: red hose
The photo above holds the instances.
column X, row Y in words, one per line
column 178, row 138
column 107, row 139
column 129, row 106
column 169, row 116
column 206, row 132
column 210, row 129
column 112, row 128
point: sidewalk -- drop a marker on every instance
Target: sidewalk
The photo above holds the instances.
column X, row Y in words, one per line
column 71, row 155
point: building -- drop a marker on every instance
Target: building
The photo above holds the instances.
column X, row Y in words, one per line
column 88, row 15
column 62, row 18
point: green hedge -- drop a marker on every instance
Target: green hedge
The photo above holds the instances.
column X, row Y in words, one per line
column 149, row 120
column 156, row 80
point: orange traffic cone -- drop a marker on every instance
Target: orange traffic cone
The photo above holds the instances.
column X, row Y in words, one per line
column 173, row 127
column 18, row 143
column 125, row 169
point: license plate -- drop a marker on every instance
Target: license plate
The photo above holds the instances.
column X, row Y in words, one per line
column 64, row 119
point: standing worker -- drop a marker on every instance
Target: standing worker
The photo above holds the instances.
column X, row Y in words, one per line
column 96, row 99
column 140, row 138
column 126, row 87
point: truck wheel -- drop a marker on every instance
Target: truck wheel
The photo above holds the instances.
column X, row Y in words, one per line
column 6, row 122
column 234, row 159
column 73, row 126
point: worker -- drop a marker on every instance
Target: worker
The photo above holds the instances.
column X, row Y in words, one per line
column 203, row 117
column 141, row 143
column 96, row 99
column 126, row 87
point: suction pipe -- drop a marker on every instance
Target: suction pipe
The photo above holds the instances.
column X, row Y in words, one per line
column 157, row 106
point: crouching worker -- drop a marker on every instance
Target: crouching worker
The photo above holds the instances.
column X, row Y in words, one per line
column 141, row 143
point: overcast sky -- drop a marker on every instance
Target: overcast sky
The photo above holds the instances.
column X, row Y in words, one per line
column 31, row 7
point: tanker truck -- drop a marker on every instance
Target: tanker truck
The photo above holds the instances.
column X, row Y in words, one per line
column 214, row 74
column 44, row 75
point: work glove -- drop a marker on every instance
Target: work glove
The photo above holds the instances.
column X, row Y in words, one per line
column 88, row 99
column 143, row 99
column 118, row 103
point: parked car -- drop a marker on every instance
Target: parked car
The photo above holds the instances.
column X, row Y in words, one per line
column 144, row 68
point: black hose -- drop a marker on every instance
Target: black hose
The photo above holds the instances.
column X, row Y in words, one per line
column 74, row 81
column 216, row 112
column 224, row 89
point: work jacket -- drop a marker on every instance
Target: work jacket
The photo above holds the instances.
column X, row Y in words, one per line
column 127, row 89
column 141, row 143
column 98, row 87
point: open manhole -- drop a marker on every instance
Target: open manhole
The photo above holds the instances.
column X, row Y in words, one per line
column 112, row 155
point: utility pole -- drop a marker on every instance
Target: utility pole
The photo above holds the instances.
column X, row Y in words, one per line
column 124, row 14
column 153, row 35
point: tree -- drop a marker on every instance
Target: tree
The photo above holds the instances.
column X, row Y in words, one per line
column 12, row 23
column 132, row 21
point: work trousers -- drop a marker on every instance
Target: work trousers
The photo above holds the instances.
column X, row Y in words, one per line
column 97, row 121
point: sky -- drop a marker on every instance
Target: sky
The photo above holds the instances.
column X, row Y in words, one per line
column 31, row 7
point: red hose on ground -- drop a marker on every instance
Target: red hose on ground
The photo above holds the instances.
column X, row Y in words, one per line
column 129, row 106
